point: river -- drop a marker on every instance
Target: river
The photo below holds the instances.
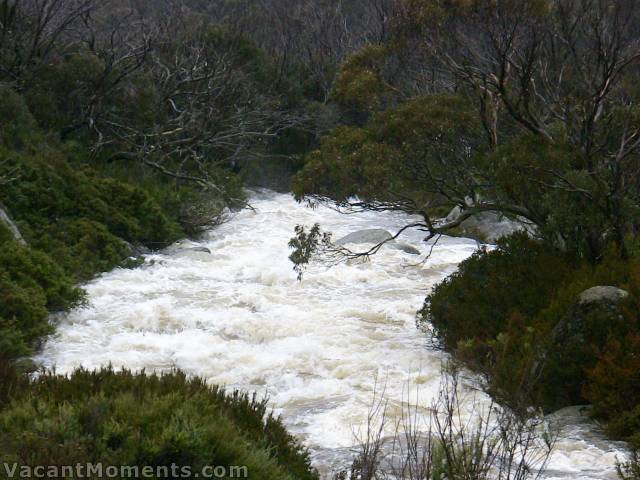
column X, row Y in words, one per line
column 317, row 348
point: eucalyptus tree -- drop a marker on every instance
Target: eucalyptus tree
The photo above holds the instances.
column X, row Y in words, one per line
column 552, row 89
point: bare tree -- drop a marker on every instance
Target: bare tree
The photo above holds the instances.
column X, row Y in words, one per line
column 557, row 73
column 30, row 31
column 459, row 437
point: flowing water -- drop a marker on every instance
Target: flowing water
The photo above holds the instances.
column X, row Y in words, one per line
column 317, row 348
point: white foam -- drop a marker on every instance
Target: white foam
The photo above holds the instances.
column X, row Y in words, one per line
column 240, row 318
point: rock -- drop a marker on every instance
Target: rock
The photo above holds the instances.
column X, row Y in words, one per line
column 199, row 249
column 374, row 236
column 184, row 246
column 137, row 249
column 602, row 295
column 405, row 248
column 485, row 227
column 597, row 304
column 586, row 325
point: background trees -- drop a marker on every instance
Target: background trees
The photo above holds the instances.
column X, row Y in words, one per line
column 527, row 109
column 551, row 86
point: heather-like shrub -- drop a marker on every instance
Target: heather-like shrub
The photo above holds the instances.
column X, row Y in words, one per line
column 146, row 420
column 31, row 284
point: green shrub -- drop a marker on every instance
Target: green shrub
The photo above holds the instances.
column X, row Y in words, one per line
column 80, row 217
column 16, row 122
column 31, row 284
column 504, row 313
column 137, row 419
column 614, row 380
column 476, row 302
column 82, row 247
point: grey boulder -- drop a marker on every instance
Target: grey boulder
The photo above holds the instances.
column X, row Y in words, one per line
column 374, row 235
column 602, row 295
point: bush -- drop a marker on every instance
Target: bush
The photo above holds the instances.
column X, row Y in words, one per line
column 137, row 419
column 505, row 312
column 486, row 313
column 79, row 216
column 16, row 122
column 476, row 303
column 614, row 381
column 31, row 284
column 82, row 247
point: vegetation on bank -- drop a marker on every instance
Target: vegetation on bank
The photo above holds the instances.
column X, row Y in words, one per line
column 121, row 418
column 503, row 313
column 125, row 126
column 527, row 110
column 119, row 134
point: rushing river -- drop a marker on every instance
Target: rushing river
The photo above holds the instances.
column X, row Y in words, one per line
column 239, row 317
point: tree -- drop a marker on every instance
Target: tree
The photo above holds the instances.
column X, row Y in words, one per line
column 551, row 86
column 31, row 31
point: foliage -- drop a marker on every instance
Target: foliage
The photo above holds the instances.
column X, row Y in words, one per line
column 31, row 284
column 137, row 419
column 80, row 217
column 506, row 313
column 517, row 278
column 304, row 245
column 392, row 156
column 630, row 470
column 360, row 88
column 614, row 380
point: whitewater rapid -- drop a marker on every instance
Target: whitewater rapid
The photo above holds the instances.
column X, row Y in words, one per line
column 239, row 317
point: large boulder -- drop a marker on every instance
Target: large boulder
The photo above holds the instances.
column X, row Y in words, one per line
column 595, row 310
column 602, row 296
column 577, row 337
column 486, row 227
column 374, row 236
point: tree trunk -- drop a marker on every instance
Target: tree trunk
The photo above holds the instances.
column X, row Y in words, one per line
column 13, row 228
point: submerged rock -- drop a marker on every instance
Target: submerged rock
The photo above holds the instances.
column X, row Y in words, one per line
column 184, row 246
column 405, row 248
column 199, row 249
column 374, row 235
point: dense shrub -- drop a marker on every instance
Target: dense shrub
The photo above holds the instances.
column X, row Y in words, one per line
column 78, row 216
column 16, row 122
column 31, row 284
column 501, row 313
column 614, row 381
column 137, row 419
column 475, row 303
